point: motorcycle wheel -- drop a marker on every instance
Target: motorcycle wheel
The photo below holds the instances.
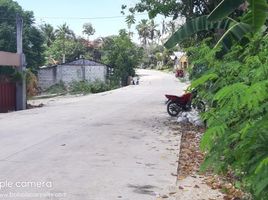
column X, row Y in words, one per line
column 173, row 109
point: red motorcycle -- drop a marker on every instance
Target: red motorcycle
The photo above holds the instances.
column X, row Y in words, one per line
column 179, row 73
column 184, row 103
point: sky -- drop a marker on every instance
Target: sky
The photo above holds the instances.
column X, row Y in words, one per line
column 104, row 15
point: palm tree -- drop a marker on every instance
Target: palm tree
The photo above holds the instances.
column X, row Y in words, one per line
column 152, row 30
column 64, row 33
column 88, row 29
column 171, row 26
column 130, row 20
column 164, row 28
column 158, row 36
column 143, row 31
column 48, row 33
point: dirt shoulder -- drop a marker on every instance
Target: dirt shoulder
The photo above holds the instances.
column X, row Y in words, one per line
column 191, row 183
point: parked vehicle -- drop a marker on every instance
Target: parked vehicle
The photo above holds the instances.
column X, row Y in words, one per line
column 184, row 103
column 179, row 73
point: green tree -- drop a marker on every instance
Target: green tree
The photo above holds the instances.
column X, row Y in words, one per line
column 130, row 20
column 48, row 33
column 175, row 8
column 64, row 34
column 152, row 30
column 185, row 9
column 143, row 29
column 88, row 29
column 251, row 21
column 122, row 55
column 32, row 37
column 72, row 49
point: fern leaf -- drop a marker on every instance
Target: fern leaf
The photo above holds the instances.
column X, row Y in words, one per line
column 202, row 80
column 231, row 95
column 210, row 134
column 257, row 93
column 264, row 163
column 261, row 186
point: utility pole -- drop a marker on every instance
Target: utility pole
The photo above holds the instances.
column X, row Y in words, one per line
column 21, row 84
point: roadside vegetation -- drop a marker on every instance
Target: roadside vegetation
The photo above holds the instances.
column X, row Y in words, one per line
column 226, row 42
column 58, row 89
column 85, row 87
column 79, row 87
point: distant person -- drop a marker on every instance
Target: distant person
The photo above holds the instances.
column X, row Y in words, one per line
column 137, row 81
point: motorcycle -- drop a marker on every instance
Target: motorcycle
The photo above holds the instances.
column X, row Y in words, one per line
column 184, row 103
column 179, row 73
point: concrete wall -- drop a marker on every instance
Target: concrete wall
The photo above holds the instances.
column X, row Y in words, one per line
column 93, row 73
column 47, row 77
column 69, row 73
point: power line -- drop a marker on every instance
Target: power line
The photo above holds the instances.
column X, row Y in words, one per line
column 75, row 18
column 88, row 18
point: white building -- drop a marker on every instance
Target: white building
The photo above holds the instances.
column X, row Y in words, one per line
column 78, row 70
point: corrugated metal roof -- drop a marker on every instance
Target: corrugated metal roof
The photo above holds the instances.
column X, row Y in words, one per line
column 79, row 62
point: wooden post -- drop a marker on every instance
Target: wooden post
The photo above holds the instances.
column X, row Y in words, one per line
column 21, row 84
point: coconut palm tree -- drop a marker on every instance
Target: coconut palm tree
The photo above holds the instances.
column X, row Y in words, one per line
column 143, row 29
column 64, row 32
column 48, row 33
column 152, row 30
column 88, row 30
column 130, row 20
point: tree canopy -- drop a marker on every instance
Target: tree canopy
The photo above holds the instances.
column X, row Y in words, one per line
column 88, row 29
column 122, row 55
column 32, row 37
column 175, row 8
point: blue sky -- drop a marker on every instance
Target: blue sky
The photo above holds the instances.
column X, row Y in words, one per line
column 57, row 12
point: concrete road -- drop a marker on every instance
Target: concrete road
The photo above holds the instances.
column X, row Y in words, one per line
column 106, row 146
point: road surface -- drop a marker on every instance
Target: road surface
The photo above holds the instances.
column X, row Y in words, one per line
column 107, row 146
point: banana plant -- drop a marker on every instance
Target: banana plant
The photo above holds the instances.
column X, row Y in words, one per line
column 251, row 22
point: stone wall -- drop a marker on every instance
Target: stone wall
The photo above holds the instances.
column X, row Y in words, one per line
column 69, row 73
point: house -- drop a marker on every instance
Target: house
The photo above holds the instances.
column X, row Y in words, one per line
column 180, row 60
column 78, row 70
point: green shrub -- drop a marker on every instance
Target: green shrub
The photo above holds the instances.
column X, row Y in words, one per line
column 57, row 89
column 85, row 87
column 99, row 87
column 236, row 90
column 78, row 87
